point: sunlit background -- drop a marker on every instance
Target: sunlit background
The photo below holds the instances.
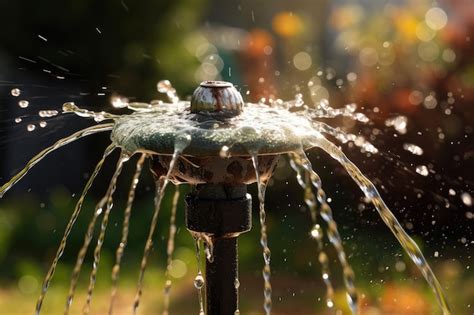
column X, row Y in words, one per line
column 406, row 64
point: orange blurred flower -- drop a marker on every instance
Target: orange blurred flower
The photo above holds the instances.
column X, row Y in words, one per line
column 406, row 24
column 287, row 24
column 404, row 300
column 258, row 41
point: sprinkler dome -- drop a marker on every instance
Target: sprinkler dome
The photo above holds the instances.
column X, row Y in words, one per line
column 216, row 122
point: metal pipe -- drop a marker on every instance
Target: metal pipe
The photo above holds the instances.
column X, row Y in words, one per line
column 222, row 213
column 221, row 273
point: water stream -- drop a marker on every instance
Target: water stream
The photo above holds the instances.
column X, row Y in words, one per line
column 125, row 230
column 267, row 287
column 317, row 231
column 70, row 224
column 37, row 158
column 82, row 253
column 161, row 185
column 103, row 227
column 333, row 234
column 372, row 194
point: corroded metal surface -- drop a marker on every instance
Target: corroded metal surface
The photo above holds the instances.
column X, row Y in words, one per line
column 217, row 96
column 215, row 170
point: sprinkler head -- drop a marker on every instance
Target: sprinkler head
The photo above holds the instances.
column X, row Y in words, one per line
column 215, row 124
column 217, row 97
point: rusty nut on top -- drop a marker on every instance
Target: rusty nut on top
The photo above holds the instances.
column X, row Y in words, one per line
column 217, row 97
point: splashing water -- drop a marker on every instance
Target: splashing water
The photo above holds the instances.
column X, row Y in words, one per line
column 169, row 128
column 399, row 123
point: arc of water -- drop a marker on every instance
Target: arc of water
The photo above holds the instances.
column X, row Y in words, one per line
column 82, row 253
column 317, row 231
column 60, row 143
column 105, row 220
column 69, row 226
column 161, row 185
column 267, row 291
column 371, row 193
column 169, row 252
column 125, row 229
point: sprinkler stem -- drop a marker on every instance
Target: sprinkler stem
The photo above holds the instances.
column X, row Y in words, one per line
column 221, row 213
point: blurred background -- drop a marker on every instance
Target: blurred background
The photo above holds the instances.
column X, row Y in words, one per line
column 409, row 59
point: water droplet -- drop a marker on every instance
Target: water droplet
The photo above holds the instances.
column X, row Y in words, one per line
column 436, row 18
column 330, row 303
column 99, row 117
column 466, row 199
column 18, row 120
column 299, row 100
column 31, row 127
column 316, row 232
column 23, row 104
column 399, row 123
column 15, row 92
column 69, row 107
column 43, row 124
column 413, row 148
column 199, row 281
column 224, row 152
column 422, row 170
column 48, row 113
column 236, row 283
column 164, row 86
column 119, row 102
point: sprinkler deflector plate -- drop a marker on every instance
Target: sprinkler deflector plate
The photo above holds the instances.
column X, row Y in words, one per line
column 259, row 129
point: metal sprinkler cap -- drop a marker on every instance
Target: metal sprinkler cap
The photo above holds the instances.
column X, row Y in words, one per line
column 217, row 96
